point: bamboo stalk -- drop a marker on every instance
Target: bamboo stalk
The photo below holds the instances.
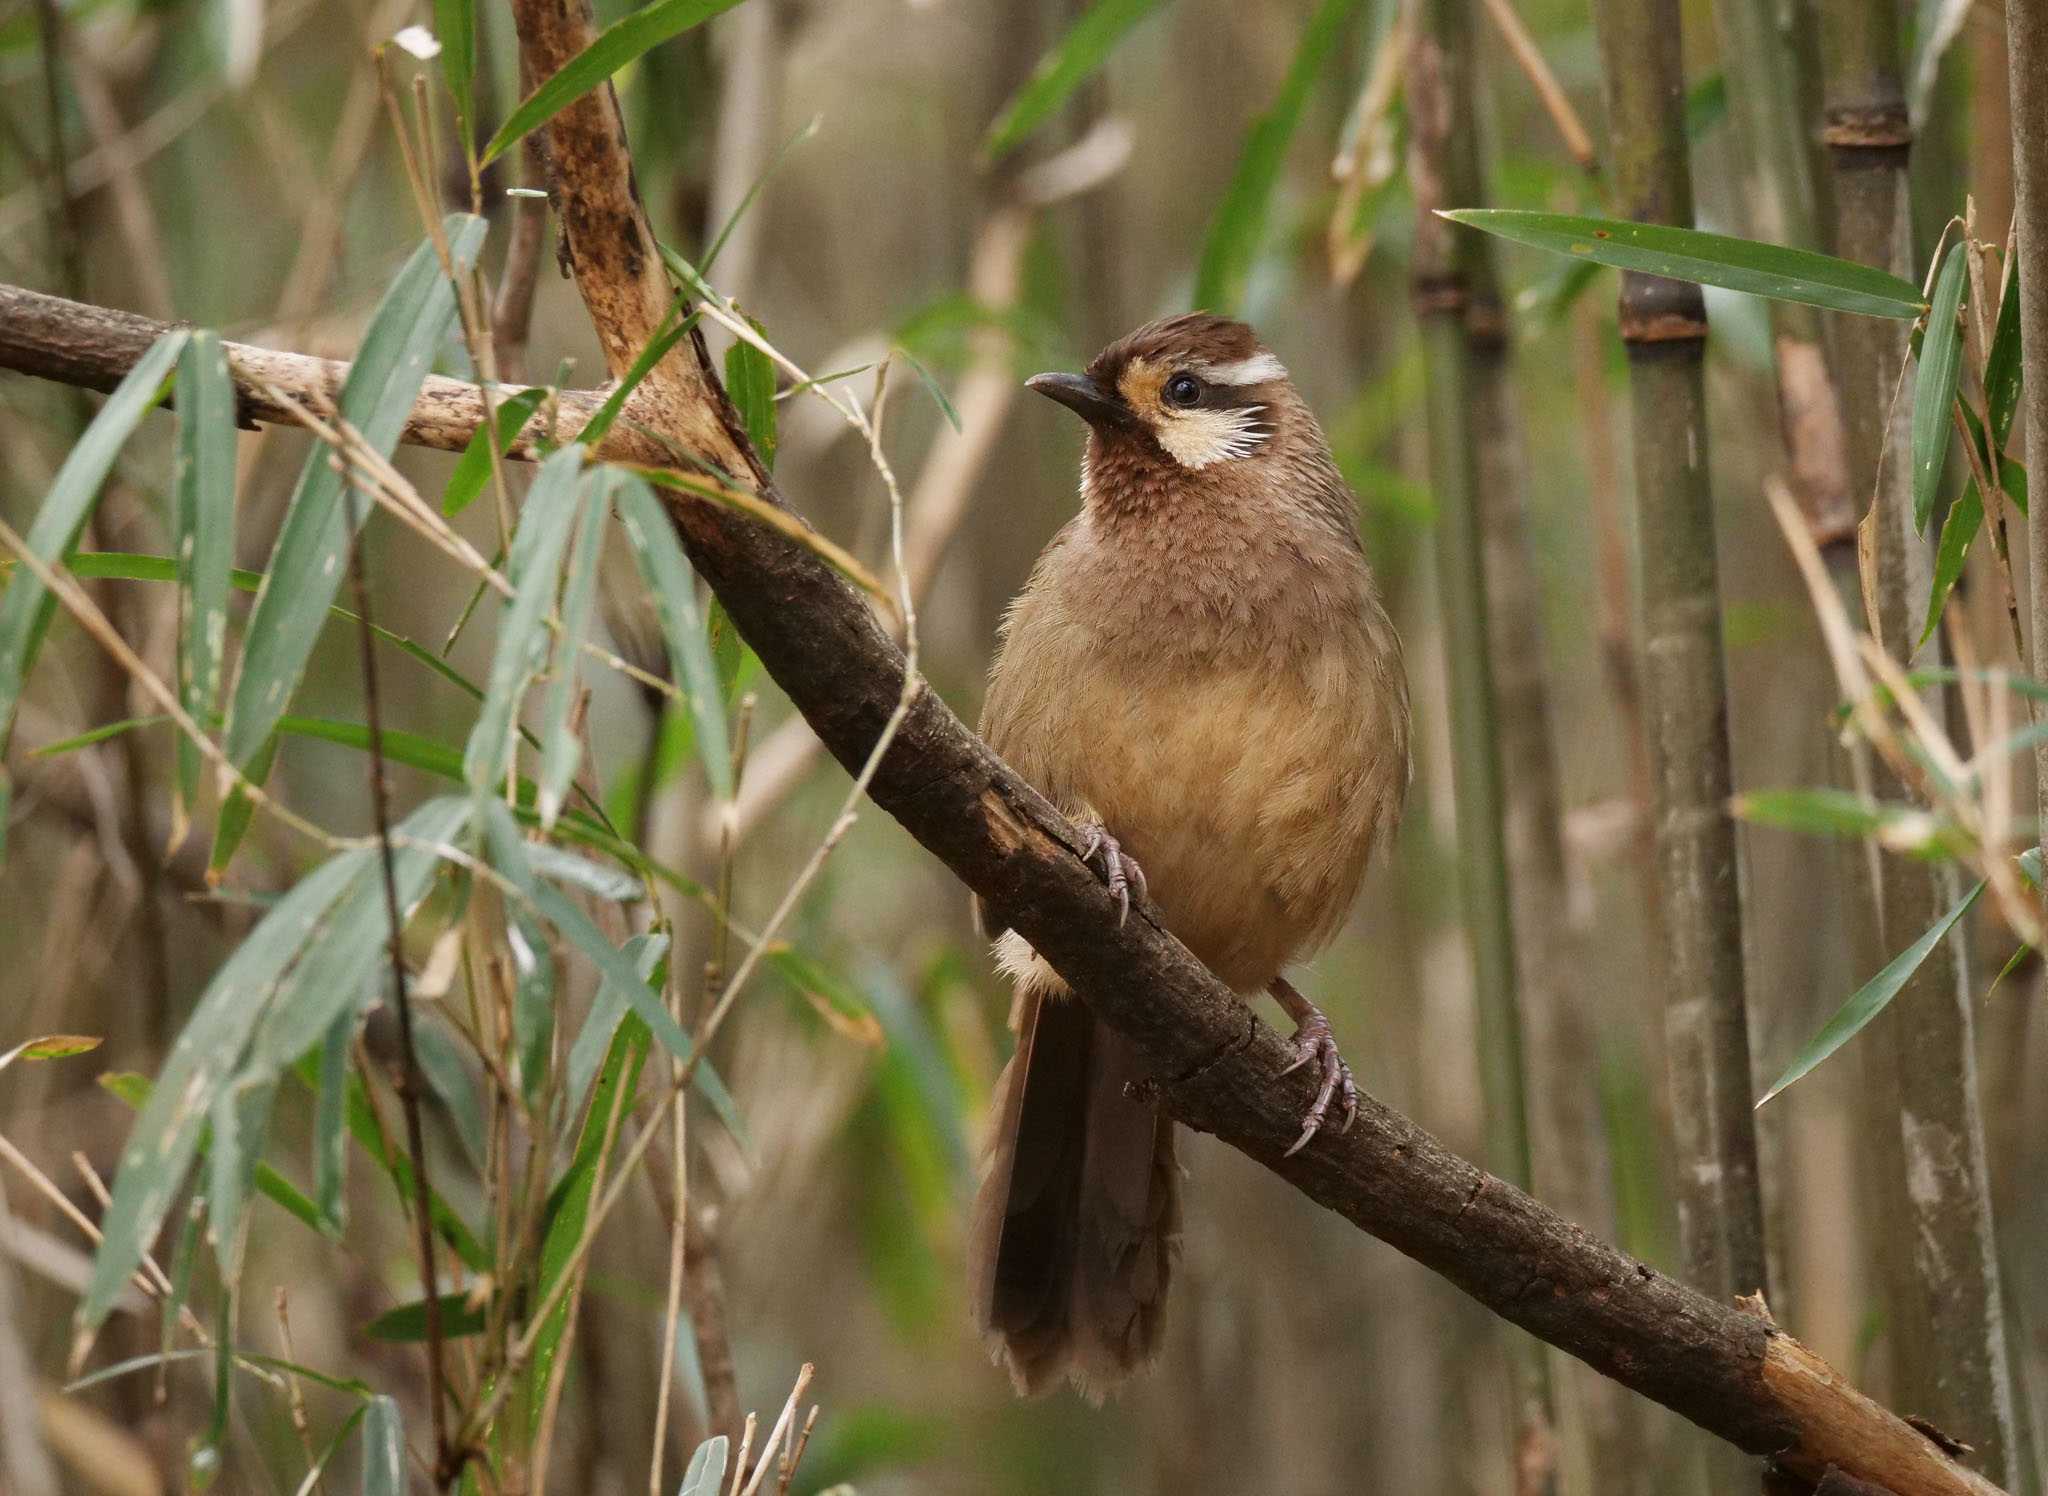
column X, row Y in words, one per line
column 1948, row 1331
column 1445, row 266
column 1663, row 324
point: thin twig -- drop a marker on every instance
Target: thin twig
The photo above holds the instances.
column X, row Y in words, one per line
column 1556, row 102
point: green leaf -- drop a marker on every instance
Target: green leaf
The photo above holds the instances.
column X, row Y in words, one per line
column 1084, row 48
column 473, row 468
column 1240, row 223
column 706, row 1473
column 26, row 606
column 1965, row 518
column 2002, row 366
column 50, row 1047
column 408, row 1322
column 534, row 570
column 1934, row 391
column 165, row 1138
column 383, row 1449
column 241, row 1117
column 607, row 1010
column 1871, row 999
column 455, row 28
column 330, row 1121
column 616, row 1084
column 404, row 334
column 750, row 381
column 203, row 537
column 1711, row 259
column 561, row 744
column 1706, row 105
column 133, row 1090
column 1829, row 812
column 668, row 576
column 754, row 189
column 567, row 867
column 618, row 44
column 932, row 388
column 657, row 349
column 508, row 855
column 237, row 810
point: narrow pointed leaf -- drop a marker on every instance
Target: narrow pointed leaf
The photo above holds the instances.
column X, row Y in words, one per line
column 754, row 189
column 1711, row 259
column 473, row 468
column 668, row 576
column 561, row 744
column 383, row 1449
column 1965, row 518
column 330, row 1121
column 607, row 1010
column 26, row 606
column 455, row 28
column 606, row 415
column 1240, row 223
column 2002, row 367
column 1085, row 47
column 750, row 380
column 1872, row 998
column 706, row 1474
column 408, row 1322
column 398, row 347
column 618, row 44
column 1934, row 387
column 204, row 536
column 534, row 570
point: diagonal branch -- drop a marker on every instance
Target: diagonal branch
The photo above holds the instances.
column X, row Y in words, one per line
column 1215, row 1066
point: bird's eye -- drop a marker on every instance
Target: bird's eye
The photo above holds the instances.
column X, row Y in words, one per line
column 1183, row 390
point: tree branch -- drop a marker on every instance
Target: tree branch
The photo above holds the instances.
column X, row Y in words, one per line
column 1214, row 1066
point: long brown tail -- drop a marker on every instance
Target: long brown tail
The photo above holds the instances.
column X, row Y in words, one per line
column 1078, row 1217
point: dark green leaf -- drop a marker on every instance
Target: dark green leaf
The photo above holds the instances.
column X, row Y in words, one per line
column 1706, row 105
column 237, row 810
column 455, row 24
column 398, row 347
column 408, row 1322
column 26, row 606
column 1240, row 223
column 617, row 45
column 473, row 468
column 1871, row 998
column 1965, row 518
column 607, row 414
column 97, row 735
column 330, row 1121
column 750, row 380
column 1084, row 48
column 1711, row 259
column 1934, row 389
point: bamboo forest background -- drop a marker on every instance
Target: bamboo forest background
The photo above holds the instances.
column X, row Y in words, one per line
column 900, row 186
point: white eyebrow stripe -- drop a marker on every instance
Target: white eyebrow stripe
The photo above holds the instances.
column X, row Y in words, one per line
column 1258, row 369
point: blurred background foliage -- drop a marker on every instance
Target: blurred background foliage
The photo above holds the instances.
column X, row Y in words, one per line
column 230, row 164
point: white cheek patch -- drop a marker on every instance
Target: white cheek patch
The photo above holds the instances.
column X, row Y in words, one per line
column 1196, row 438
column 1260, row 368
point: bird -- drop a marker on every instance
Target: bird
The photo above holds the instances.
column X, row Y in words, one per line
column 1201, row 674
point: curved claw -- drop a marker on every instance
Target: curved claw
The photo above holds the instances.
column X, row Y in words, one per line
column 1120, row 871
column 1315, row 1043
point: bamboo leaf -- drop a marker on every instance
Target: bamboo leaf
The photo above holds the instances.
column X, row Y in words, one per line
column 473, row 468
column 1085, row 47
column 561, row 743
column 1240, row 223
column 1965, row 518
column 1872, row 998
column 534, row 570
column 933, row 388
column 165, row 1138
column 606, row 415
column 1934, row 391
column 607, row 1011
column 408, row 1322
column 750, row 380
column 508, row 855
column 1769, row 270
column 669, row 578
column 203, row 538
column 455, row 26
column 567, row 867
column 2003, row 370
column 50, row 1047
column 26, row 606
column 305, row 570
column 383, row 1449
column 330, row 1121
column 237, row 811
column 706, row 1473
column 620, row 43
column 754, row 189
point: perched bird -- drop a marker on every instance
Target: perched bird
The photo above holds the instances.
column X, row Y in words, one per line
column 1201, row 675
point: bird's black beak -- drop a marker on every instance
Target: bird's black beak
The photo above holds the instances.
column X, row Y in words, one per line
column 1083, row 396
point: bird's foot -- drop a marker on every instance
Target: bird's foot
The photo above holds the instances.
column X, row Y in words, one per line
column 1119, row 869
column 1315, row 1044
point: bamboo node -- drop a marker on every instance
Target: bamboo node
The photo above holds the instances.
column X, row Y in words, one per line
column 1432, row 295
column 1661, row 325
column 1867, row 127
